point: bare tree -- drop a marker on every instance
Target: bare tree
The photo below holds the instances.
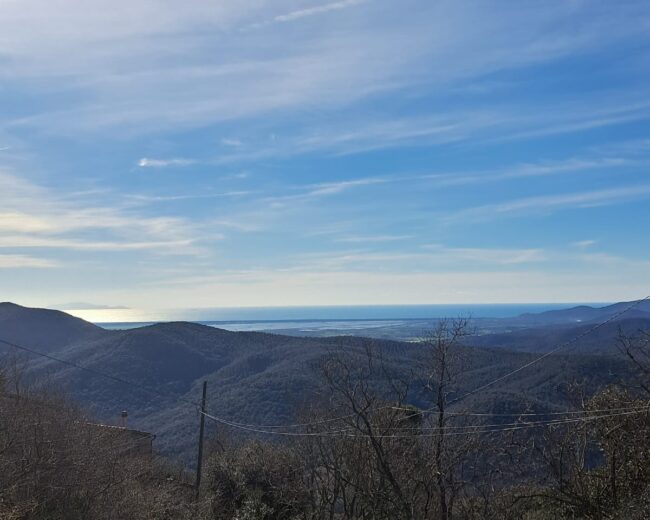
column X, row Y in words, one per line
column 439, row 370
column 56, row 463
column 355, row 383
column 637, row 349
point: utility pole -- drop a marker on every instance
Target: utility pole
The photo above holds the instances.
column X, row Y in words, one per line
column 199, row 462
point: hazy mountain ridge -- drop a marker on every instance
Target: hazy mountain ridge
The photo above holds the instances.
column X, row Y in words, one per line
column 44, row 328
column 585, row 313
column 258, row 377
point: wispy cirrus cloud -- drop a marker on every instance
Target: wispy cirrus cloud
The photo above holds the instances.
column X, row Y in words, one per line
column 35, row 242
column 163, row 163
column 555, row 202
column 447, row 179
column 73, row 219
column 313, row 191
column 234, row 143
column 318, row 9
column 584, row 244
column 147, row 199
column 528, row 170
column 341, row 123
column 12, row 261
column 425, row 258
column 141, row 85
column 36, row 217
column 457, row 126
column 372, row 238
column 484, row 255
column 331, row 188
column 307, row 12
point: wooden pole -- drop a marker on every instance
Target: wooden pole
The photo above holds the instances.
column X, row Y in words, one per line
column 199, row 461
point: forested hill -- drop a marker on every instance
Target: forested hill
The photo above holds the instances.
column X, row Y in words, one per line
column 252, row 377
column 579, row 339
column 47, row 329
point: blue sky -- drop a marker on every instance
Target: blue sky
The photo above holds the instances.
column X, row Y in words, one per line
column 156, row 154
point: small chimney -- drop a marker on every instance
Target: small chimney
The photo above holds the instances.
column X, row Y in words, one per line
column 123, row 418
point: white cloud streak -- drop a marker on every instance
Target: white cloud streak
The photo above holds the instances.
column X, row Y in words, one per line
column 434, row 258
column 489, row 255
column 373, row 238
column 147, row 199
column 541, row 169
column 308, row 12
column 467, row 127
column 33, row 216
column 23, row 242
column 234, row 143
column 556, row 202
column 12, row 261
column 163, row 163
column 315, row 191
column 319, row 9
column 584, row 244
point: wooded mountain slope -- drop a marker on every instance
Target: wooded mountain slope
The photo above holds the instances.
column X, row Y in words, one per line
column 256, row 377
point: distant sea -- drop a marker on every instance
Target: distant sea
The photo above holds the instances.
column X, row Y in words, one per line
column 338, row 317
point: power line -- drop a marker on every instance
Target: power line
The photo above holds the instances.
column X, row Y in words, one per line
column 261, row 429
column 525, row 426
column 487, row 429
column 269, row 429
column 515, row 414
column 96, row 372
column 546, row 421
column 256, row 427
column 553, row 351
column 415, row 413
column 151, row 390
column 299, row 425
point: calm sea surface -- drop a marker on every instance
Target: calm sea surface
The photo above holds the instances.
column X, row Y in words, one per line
column 335, row 317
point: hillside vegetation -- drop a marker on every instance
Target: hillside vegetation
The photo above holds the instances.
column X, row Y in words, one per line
column 381, row 439
column 255, row 377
